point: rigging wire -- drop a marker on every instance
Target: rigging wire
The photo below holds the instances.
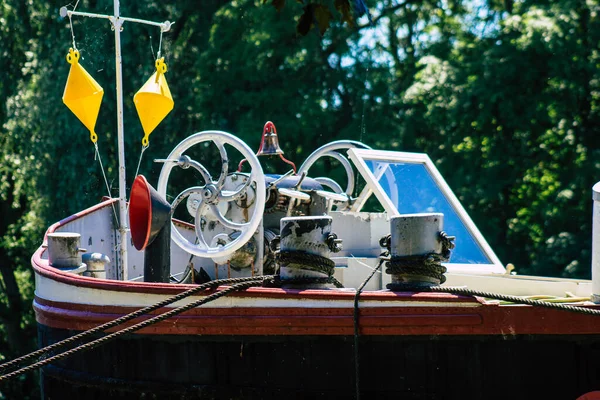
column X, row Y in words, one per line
column 362, row 123
column 137, row 170
column 145, row 147
column 97, row 155
column 125, row 318
column 99, row 158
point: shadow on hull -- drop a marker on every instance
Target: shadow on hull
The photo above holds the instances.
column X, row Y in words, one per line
column 322, row 367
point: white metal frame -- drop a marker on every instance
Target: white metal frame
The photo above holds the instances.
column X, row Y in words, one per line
column 117, row 23
column 358, row 157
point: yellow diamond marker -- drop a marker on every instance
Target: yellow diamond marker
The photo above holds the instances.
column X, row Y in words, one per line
column 154, row 101
column 83, row 94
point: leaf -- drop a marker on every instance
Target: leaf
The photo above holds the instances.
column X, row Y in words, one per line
column 278, row 4
column 322, row 16
column 343, row 7
column 306, row 20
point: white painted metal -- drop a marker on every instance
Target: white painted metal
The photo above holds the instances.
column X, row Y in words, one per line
column 123, row 220
column 97, row 234
column 308, row 235
column 164, row 26
column 596, row 244
column 95, row 228
column 294, row 194
column 49, row 289
column 64, row 250
column 360, row 232
column 358, row 157
column 329, row 150
column 247, row 229
column 260, row 251
column 357, row 269
column 96, row 265
column 416, row 234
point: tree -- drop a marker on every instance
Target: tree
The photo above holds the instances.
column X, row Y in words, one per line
column 503, row 97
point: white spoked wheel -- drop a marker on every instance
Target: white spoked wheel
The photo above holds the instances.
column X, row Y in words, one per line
column 333, row 150
column 211, row 195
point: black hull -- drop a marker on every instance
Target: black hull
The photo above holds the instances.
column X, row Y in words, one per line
column 310, row 367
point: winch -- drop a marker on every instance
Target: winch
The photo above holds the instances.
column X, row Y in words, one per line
column 237, row 216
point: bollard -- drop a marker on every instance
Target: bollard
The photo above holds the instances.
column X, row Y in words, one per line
column 64, row 252
column 305, row 249
column 416, row 249
column 96, row 265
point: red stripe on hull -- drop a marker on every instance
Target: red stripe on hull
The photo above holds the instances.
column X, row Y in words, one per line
column 484, row 320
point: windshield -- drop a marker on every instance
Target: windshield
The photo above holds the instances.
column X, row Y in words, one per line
column 411, row 189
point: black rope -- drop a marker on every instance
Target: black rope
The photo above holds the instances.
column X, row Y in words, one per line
column 425, row 265
column 307, row 261
column 125, row 318
column 277, row 281
column 336, row 283
column 513, row 299
column 356, row 331
column 428, row 265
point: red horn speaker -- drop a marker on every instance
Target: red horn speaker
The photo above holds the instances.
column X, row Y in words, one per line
column 148, row 212
column 150, row 225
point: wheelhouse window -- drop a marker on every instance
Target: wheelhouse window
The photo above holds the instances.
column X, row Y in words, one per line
column 408, row 183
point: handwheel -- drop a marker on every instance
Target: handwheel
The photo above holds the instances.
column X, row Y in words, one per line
column 211, row 195
column 332, row 150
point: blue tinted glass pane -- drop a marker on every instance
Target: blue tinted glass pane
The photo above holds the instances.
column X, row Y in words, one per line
column 413, row 190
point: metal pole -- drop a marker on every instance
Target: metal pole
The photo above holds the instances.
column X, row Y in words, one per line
column 164, row 26
column 260, row 251
column 123, row 228
column 596, row 244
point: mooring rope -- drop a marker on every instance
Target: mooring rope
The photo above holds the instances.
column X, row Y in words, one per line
column 240, row 284
column 513, row 299
column 356, row 330
column 307, row 261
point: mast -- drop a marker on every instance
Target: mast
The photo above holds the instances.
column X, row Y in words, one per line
column 123, row 228
column 117, row 24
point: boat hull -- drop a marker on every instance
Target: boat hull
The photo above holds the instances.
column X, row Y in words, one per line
column 273, row 343
column 323, row 366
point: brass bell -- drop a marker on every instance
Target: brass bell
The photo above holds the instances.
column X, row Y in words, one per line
column 269, row 144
